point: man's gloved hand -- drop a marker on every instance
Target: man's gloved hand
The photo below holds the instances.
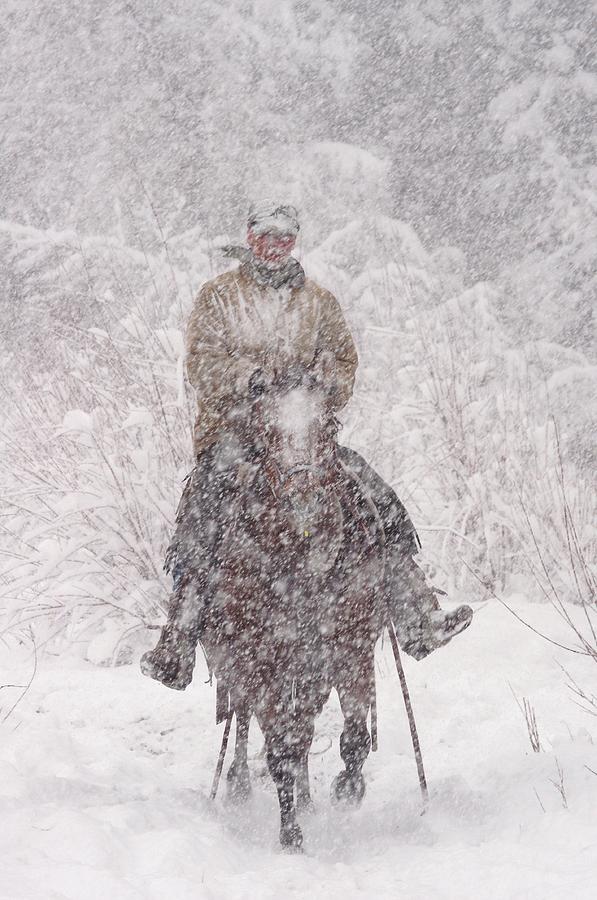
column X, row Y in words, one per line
column 262, row 380
column 259, row 383
column 291, row 375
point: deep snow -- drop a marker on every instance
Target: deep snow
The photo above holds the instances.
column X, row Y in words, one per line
column 106, row 775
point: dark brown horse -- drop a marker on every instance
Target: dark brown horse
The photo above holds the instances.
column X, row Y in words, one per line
column 296, row 608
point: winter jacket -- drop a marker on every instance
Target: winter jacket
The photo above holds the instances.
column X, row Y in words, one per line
column 238, row 325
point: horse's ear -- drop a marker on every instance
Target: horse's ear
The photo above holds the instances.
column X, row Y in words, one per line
column 324, row 366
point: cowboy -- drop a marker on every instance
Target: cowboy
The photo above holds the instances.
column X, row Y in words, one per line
column 250, row 326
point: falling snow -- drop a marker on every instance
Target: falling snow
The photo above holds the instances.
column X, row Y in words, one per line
column 440, row 157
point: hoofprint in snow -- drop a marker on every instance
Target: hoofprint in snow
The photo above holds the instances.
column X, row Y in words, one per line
column 106, row 775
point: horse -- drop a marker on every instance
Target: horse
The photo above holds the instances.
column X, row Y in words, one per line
column 296, row 606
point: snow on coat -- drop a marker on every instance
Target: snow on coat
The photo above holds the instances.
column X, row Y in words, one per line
column 238, row 325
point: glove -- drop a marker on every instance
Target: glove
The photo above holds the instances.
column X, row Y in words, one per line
column 259, row 383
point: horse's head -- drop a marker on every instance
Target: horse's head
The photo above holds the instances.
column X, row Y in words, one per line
column 298, row 433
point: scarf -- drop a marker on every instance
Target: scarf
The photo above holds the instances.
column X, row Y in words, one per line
column 291, row 274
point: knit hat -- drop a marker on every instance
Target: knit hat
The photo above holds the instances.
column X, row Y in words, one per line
column 269, row 215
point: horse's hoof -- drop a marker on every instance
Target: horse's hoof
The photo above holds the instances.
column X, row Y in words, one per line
column 348, row 789
column 238, row 785
column 291, row 838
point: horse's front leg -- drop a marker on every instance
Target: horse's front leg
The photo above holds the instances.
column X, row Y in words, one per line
column 304, row 802
column 238, row 777
column 276, row 720
column 283, row 762
column 354, row 692
column 311, row 695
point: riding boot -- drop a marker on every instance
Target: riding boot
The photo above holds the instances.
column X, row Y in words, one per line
column 173, row 659
column 192, row 558
column 421, row 625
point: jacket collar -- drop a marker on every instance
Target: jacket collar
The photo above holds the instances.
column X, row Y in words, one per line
column 291, row 274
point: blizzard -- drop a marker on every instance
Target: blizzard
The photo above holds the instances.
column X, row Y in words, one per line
column 440, row 155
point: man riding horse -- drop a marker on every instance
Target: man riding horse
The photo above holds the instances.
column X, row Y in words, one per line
column 290, row 553
column 251, row 327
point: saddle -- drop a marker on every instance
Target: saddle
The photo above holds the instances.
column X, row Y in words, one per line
column 214, row 493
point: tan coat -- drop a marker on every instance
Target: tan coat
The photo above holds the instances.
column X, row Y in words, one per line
column 237, row 326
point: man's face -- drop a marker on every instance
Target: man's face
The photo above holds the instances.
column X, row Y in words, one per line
column 272, row 246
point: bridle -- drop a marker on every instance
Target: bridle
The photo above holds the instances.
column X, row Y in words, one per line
column 278, row 478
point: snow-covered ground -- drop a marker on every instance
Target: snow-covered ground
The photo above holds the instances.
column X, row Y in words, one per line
column 105, row 780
